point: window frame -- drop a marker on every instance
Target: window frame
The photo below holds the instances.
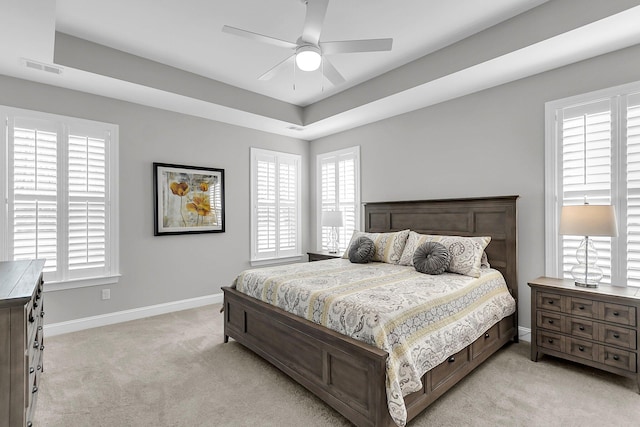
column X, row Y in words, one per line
column 65, row 125
column 355, row 151
column 296, row 254
column 617, row 97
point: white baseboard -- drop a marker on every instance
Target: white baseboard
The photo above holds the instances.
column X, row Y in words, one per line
column 126, row 315
column 524, row 334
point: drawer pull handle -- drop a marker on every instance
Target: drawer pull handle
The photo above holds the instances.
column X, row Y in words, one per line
column 36, row 344
column 39, row 328
column 35, row 304
column 616, row 335
column 550, row 340
column 42, row 314
column 581, row 348
column 615, row 313
column 616, row 357
column 581, row 307
column 34, row 390
column 551, row 321
column 29, row 424
column 31, row 370
column 31, row 319
column 486, row 335
column 581, row 327
column 550, row 302
column 452, row 359
column 39, row 368
column 42, row 347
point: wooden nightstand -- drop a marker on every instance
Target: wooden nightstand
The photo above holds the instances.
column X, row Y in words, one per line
column 322, row 255
column 596, row 327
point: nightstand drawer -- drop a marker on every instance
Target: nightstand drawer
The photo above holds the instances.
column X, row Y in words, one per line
column 583, row 349
column 550, row 340
column 551, row 302
column 616, row 335
column 550, row 321
column 581, row 307
column 617, row 313
column 619, row 359
column 580, row 328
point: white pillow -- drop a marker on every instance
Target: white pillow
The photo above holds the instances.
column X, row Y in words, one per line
column 465, row 252
column 388, row 246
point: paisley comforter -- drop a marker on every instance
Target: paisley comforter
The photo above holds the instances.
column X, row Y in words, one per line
column 419, row 319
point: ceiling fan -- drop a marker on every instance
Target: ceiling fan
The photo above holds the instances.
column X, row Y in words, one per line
column 309, row 52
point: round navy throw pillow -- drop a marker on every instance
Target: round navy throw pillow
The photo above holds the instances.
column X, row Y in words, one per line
column 431, row 258
column 361, row 250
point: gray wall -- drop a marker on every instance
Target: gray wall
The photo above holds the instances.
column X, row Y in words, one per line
column 166, row 268
column 489, row 143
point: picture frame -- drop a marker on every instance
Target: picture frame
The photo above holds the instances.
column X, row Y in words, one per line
column 188, row 199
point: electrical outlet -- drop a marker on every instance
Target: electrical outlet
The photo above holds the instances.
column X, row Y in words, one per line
column 106, row 294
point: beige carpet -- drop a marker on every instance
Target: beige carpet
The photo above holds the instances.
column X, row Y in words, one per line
column 174, row 370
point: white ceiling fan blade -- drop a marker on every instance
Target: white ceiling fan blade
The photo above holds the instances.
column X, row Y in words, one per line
column 316, row 11
column 258, row 37
column 278, row 67
column 353, row 46
column 331, row 73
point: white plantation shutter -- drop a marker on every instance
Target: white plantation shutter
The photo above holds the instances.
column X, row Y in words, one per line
column 586, row 173
column 87, row 220
column 632, row 211
column 59, row 194
column 275, row 195
column 339, row 189
column 593, row 153
column 33, row 192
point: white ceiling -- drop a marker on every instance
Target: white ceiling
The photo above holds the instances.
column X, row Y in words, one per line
column 187, row 35
column 173, row 55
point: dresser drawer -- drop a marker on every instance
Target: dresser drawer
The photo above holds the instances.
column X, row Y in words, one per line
column 547, row 301
column 616, row 335
column 581, row 307
column 580, row 328
column 550, row 340
column 617, row 313
column 580, row 348
column 549, row 321
column 619, row 358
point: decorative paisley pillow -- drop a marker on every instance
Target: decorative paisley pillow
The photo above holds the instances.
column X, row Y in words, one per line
column 465, row 252
column 361, row 250
column 388, row 246
column 431, row 258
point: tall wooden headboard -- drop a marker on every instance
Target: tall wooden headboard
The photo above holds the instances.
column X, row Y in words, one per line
column 485, row 216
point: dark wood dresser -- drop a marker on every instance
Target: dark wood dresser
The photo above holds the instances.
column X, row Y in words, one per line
column 319, row 256
column 21, row 340
column 596, row 327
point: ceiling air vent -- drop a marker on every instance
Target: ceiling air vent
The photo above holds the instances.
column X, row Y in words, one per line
column 29, row 63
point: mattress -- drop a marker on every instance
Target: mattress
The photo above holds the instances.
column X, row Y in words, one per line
column 418, row 319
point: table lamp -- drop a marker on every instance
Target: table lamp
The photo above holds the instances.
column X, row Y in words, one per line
column 332, row 219
column 588, row 220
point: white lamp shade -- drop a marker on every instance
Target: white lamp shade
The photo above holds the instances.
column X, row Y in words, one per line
column 588, row 220
column 331, row 219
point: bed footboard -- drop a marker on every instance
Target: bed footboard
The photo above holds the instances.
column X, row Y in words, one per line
column 345, row 373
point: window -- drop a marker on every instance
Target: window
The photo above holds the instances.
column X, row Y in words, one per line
column 59, row 191
column 275, row 205
column 338, row 178
column 593, row 154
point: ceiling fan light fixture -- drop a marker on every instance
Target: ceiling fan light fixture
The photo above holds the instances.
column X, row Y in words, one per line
column 308, row 58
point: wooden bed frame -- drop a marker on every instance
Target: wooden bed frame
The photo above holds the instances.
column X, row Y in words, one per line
column 349, row 375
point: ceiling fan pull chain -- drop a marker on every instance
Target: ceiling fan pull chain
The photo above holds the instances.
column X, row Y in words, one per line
column 322, row 76
column 294, row 75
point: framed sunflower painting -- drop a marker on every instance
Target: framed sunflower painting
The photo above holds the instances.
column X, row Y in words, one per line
column 188, row 199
